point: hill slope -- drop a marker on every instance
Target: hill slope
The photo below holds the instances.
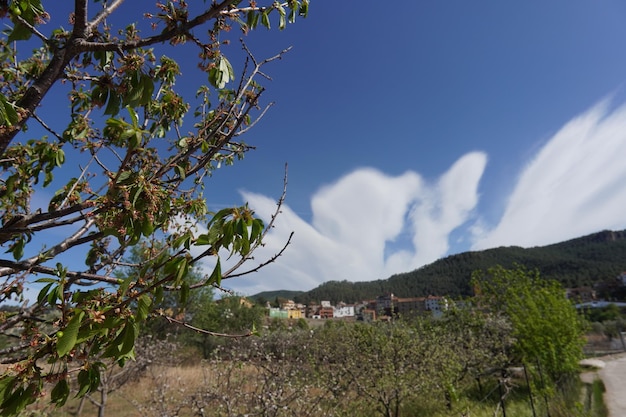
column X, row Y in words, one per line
column 577, row 262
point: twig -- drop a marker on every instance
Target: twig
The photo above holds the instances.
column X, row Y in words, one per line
column 203, row 331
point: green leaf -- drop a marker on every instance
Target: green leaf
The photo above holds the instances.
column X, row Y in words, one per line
column 143, row 307
column 125, row 284
column 203, row 240
column 216, row 275
column 292, row 15
column 67, row 340
column 124, row 176
column 18, row 248
column 128, row 342
column 113, row 106
column 147, row 84
column 304, row 8
column 158, row 295
column 257, row 230
column 6, row 384
column 60, row 393
column 19, row 399
column 183, row 240
column 44, row 293
column 265, row 19
column 88, row 380
column 59, row 157
column 147, row 227
column 133, row 116
column 8, row 115
column 252, row 19
column 184, row 293
column 19, row 33
column 222, row 73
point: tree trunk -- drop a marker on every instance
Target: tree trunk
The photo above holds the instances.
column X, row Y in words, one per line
column 103, row 402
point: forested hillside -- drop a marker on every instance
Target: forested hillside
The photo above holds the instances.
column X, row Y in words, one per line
column 577, row 262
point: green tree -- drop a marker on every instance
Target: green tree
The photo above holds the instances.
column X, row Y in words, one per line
column 134, row 173
column 229, row 317
column 384, row 366
column 547, row 328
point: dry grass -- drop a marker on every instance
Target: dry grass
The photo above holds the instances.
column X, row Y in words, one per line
column 167, row 390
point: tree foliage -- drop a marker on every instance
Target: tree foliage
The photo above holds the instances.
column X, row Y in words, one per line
column 547, row 328
column 127, row 162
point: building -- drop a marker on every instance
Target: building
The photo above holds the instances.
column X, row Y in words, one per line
column 344, row 310
column 278, row 313
column 326, row 312
column 581, row 294
column 410, row 306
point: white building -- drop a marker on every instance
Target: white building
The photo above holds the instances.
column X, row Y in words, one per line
column 435, row 304
column 344, row 311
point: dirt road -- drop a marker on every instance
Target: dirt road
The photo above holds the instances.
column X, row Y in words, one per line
column 614, row 377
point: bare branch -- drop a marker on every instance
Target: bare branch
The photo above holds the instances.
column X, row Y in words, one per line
column 33, row 29
column 103, row 14
column 48, row 128
column 229, row 275
column 215, row 11
column 203, row 331
column 67, row 243
column 73, row 275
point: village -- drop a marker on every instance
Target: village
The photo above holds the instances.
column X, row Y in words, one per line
column 382, row 308
column 388, row 306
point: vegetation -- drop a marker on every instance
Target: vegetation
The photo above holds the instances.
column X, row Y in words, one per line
column 512, row 350
column 141, row 155
column 131, row 207
column 594, row 259
column 548, row 331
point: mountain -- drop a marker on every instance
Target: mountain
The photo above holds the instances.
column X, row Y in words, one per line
column 583, row 261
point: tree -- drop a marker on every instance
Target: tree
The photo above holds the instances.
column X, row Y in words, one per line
column 231, row 315
column 134, row 173
column 383, row 367
column 174, row 304
column 548, row 330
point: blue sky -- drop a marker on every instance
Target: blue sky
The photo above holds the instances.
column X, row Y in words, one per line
column 431, row 128
column 420, row 129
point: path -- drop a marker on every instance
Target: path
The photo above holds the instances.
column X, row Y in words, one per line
column 613, row 375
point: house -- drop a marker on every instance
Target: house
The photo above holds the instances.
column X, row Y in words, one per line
column 385, row 305
column 294, row 313
column 436, row 305
column 326, row 312
column 344, row 310
column 433, row 303
column 367, row 315
column 581, row 294
column 410, row 306
column 277, row 313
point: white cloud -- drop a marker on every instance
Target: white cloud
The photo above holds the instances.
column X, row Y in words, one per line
column 574, row 186
column 354, row 221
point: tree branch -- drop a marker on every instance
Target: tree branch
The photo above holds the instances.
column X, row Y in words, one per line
column 80, row 19
column 203, row 331
column 103, row 14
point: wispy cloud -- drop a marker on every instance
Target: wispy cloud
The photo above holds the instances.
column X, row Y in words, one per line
column 575, row 185
column 355, row 221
